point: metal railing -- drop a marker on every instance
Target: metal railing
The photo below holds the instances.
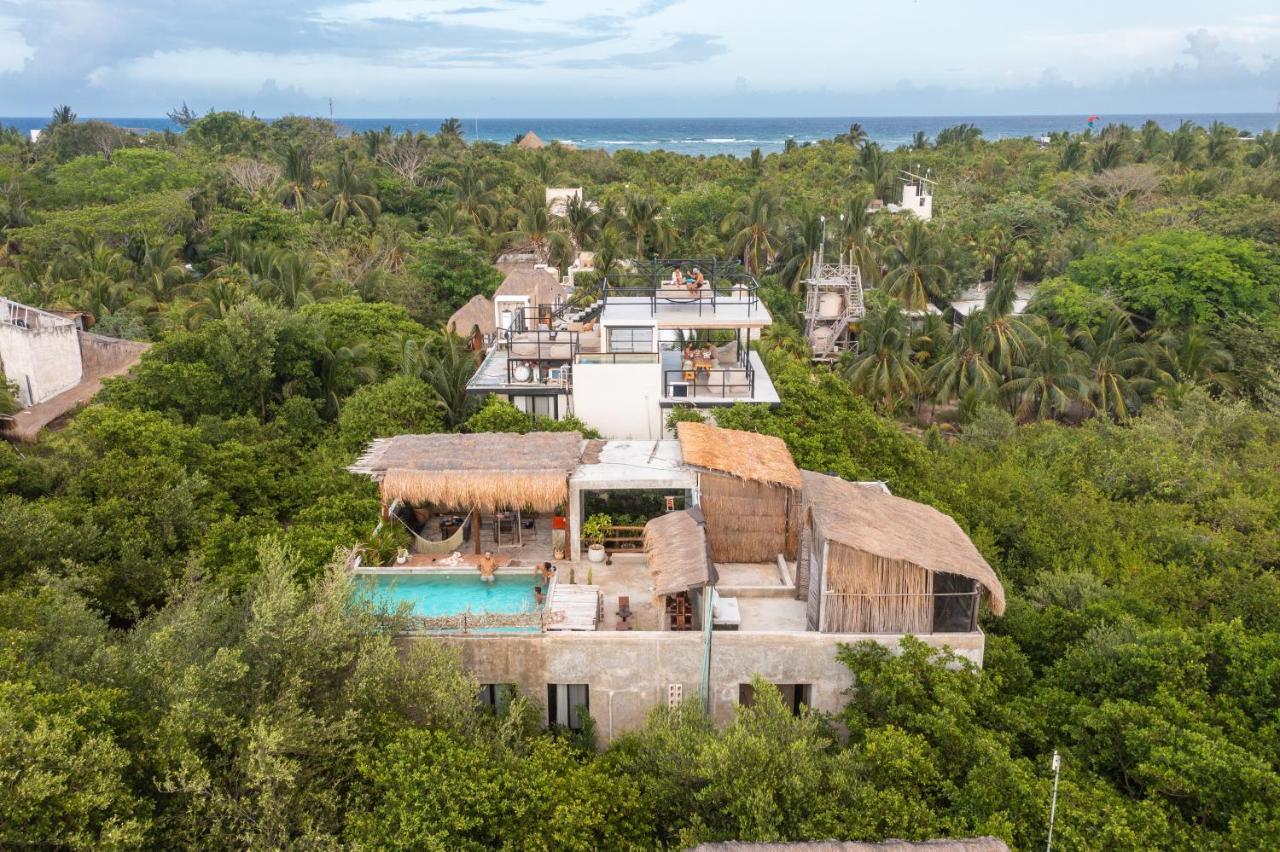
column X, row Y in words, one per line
column 736, row 382
column 722, row 283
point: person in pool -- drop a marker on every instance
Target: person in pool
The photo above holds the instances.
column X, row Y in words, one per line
column 488, row 567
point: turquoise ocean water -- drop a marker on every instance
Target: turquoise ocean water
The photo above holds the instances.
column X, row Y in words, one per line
column 737, row 136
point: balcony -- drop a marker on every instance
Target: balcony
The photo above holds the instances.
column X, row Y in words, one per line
column 711, row 382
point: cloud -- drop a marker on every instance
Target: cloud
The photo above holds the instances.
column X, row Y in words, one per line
column 687, row 49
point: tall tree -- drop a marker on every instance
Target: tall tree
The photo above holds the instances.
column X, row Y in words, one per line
column 755, row 229
column 916, row 269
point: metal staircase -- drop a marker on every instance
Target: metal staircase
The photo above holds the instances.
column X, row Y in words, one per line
column 828, row 330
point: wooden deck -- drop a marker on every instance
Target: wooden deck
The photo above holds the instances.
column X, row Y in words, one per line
column 573, row 607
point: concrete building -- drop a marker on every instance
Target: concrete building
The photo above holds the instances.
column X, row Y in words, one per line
column 54, row 364
column 749, row 568
column 622, row 356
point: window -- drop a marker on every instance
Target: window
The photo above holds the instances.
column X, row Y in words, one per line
column 631, row 339
column 541, row 405
column 496, row 696
column 794, row 695
column 567, row 704
column 955, row 604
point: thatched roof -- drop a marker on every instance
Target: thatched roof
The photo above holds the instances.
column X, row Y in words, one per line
column 870, row 520
column 541, row 286
column 488, row 470
column 975, row 844
column 675, row 546
column 746, row 455
column 477, row 313
column 530, row 141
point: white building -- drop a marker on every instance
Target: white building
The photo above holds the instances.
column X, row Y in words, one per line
column 39, row 352
column 620, row 360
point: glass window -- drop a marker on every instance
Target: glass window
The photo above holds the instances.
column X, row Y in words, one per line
column 541, row 405
column 496, row 696
column 631, row 339
column 567, row 704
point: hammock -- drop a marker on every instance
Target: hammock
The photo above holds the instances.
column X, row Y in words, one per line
column 428, row 547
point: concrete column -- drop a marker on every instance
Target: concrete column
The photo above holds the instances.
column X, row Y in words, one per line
column 574, row 533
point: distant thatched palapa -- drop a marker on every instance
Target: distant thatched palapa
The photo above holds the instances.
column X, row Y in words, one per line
column 530, row 142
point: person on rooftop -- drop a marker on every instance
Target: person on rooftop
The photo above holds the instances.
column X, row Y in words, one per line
column 488, row 567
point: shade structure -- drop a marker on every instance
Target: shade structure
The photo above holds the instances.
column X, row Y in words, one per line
column 676, row 550
column 489, row 471
column 878, row 532
column 746, row 455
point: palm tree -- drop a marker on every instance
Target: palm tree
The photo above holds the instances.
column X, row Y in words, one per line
column 856, row 240
column 883, row 369
column 755, row 229
column 1116, row 361
column 1184, row 145
column 1265, row 151
column 755, row 164
column 966, row 135
column 448, row 376
column 1053, row 377
column 1151, row 139
column 451, row 131
column 919, row 140
column 62, row 115
column 874, row 168
column 963, row 367
column 1182, row 360
column 534, row 224
column 298, row 179
column 338, row 365
column 1072, row 156
column 351, row 198
column 608, row 251
column 583, row 220
column 856, row 136
column 473, row 189
column 1222, row 144
column 448, row 219
column 291, row 280
column 1005, row 335
column 802, row 241
column 916, row 272
column 160, row 270
column 643, row 222
column 1109, row 154
column 217, row 296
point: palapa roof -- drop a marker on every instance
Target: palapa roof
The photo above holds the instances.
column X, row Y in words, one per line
column 541, row 286
column 487, row 470
column 530, row 141
column 873, row 521
column 676, row 550
column 746, row 455
column 476, row 313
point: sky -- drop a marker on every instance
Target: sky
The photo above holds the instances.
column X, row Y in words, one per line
column 635, row 58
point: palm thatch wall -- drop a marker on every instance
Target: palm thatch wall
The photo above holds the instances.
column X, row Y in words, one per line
column 489, row 471
column 675, row 546
column 748, row 521
column 746, row 455
column 867, row 593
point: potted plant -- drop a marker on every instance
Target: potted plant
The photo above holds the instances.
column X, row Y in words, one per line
column 593, row 533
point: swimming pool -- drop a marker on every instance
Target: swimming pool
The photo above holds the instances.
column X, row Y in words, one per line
column 435, row 595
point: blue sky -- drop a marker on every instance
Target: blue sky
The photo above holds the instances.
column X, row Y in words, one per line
column 489, row 58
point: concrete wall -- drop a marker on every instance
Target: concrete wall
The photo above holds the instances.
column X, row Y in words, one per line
column 101, row 355
column 621, row 400
column 629, row 673
column 43, row 362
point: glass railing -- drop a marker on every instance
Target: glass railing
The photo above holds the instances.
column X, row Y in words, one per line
column 617, row 357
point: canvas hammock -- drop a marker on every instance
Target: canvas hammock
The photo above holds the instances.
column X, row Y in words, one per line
column 426, row 546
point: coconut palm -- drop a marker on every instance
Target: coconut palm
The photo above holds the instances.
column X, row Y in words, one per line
column 874, row 168
column 62, row 115
column 1265, row 151
column 1184, row 145
column 1053, row 377
column 473, row 189
column 350, row 198
column 963, row 366
column 755, row 230
column 448, row 219
column 1109, row 154
column 1182, row 360
column 216, row 296
column 1072, row 156
column 1222, row 144
column 338, row 365
column 803, row 238
column 1116, row 362
column 1005, row 335
column 448, row 375
column 857, row 135
column 299, row 179
column 643, row 223
column 451, row 132
column 916, row 271
column 855, row 238
column 160, row 270
column 919, row 140
column 534, row 224
column 583, row 221
column 883, row 369
column 1150, row 140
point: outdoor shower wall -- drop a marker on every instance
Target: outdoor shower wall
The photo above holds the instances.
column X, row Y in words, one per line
column 748, row 521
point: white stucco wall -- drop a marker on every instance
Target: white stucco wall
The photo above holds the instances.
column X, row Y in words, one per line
column 621, row 400
column 629, row 673
column 42, row 362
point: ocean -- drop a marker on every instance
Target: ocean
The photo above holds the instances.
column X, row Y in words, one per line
column 738, row 136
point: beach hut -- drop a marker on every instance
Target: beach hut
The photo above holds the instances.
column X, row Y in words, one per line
column 871, row 562
column 679, row 559
column 474, row 320
column 484, row 473
column 530, row 142
column 749, row 491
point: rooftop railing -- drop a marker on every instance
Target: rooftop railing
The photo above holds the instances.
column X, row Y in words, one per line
column 655, row 282
column 736, row 382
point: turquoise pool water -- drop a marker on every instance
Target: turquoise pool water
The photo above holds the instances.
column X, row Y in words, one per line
column 435, row 595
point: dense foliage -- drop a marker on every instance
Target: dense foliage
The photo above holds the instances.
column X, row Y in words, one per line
column 182, row 665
